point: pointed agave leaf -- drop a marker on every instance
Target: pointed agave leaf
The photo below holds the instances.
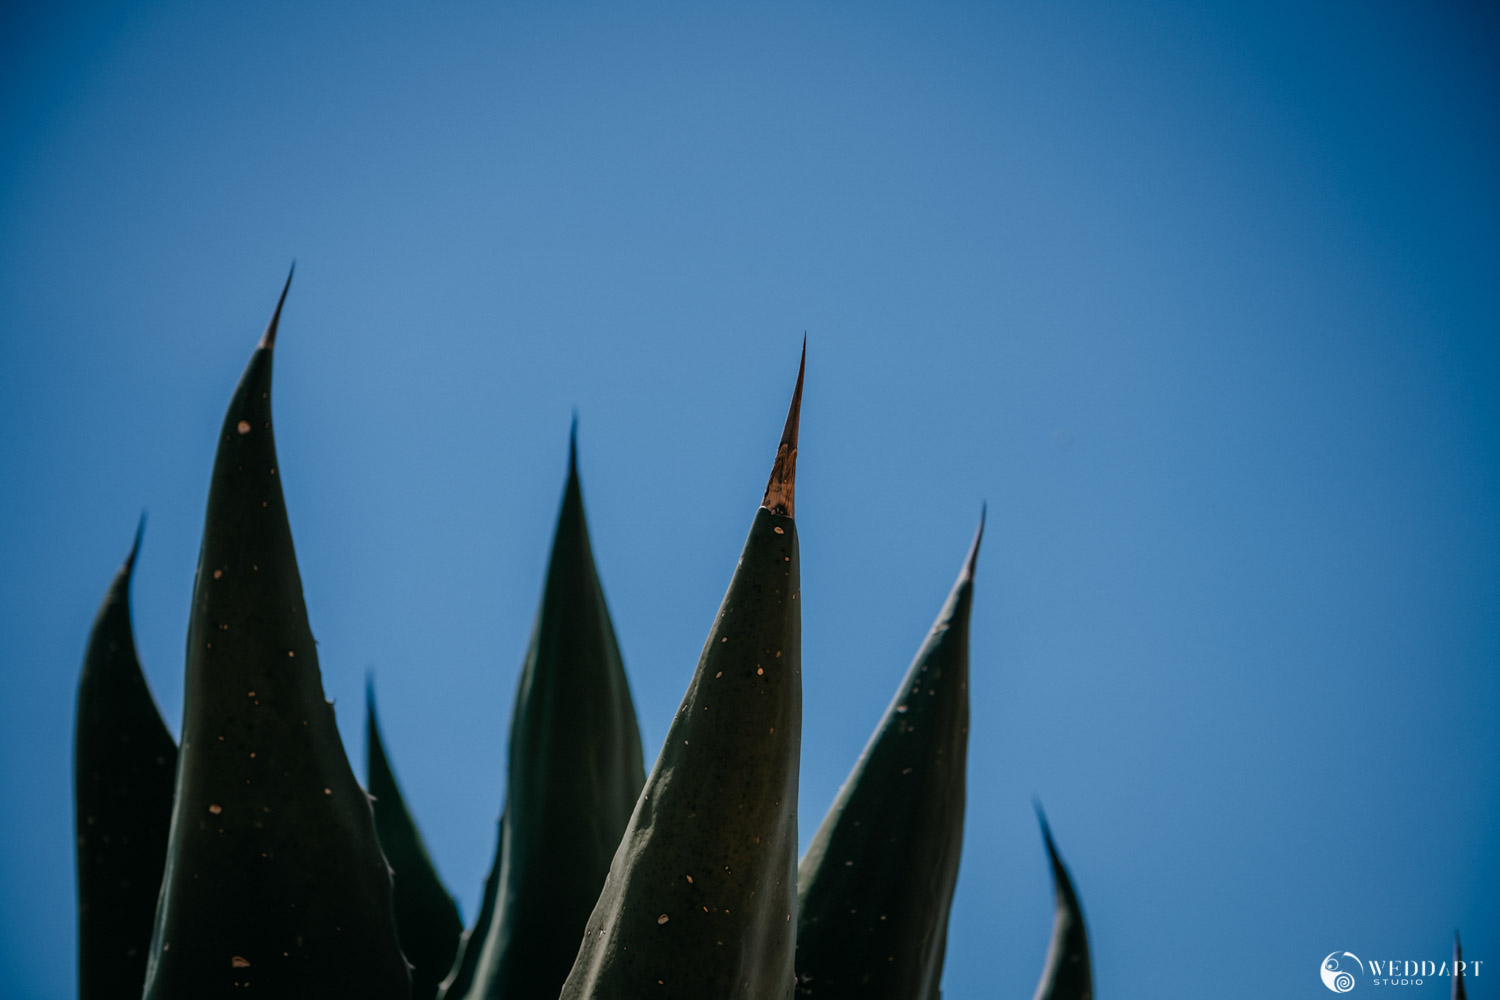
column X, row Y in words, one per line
column 574, row 774
column 427, row 920
column 123, row 766
column 1459, row 991
column 876, row 884
column 1067, row 974
column 461, row 977
column 701, row 897
column 275, row 880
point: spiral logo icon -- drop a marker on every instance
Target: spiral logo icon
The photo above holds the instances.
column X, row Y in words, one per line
column 1338, row 976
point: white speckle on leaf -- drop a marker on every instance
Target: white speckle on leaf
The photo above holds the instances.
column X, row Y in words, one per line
column 662, row 919
column 243, row 427
column 215, row 808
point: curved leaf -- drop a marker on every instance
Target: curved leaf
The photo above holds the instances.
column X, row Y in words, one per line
column 427, row 920
column 700, row 900
column 574, row 774
column 876, row 885
column 461, row 977
column 124, row 761
column 275, row 880
column 1067, row 974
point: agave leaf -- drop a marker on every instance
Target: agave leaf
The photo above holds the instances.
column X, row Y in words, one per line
column 461, row 976
column 427, row 920
column 123, row 766
column 700, row 900
column 1459, row 991
column 574, row 774
column 275, row 880
column 877, row 882
column 1067, row 974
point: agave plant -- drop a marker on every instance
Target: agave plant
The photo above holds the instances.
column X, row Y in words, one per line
column 252, row 859
column 124, row 761
column 427, row 921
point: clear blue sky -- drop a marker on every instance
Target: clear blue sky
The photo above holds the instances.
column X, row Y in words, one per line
column 1200, row 298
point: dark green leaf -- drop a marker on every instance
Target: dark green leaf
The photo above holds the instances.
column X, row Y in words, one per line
column 427, row 920
column 1067, row 975
column 124, row 761
column 461, row 978
column 574, row 774
column 876, row 885
column 700, row 901
column 275, row 880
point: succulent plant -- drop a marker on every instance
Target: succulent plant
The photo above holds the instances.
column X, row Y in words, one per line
column 877, row 882
column 574, row 775
column 1067, row 974
column 701, row 897
column 427, row 921
column 124, row 760
column 255, row 860
column 275, row 880
column 461, row 976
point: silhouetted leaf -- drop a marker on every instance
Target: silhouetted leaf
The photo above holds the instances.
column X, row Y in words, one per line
column 275, row 881
column 124, row 762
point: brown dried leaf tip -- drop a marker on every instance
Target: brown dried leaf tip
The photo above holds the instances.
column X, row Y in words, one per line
column 780, row 489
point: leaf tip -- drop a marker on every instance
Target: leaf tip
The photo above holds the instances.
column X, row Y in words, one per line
column 973, row 558
column 370, row 720
column 1041, row 818
column 268, row 339
column 781, row 487
column 135, row 546
column 573, row 446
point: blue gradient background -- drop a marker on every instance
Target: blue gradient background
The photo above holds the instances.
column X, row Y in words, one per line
column 1201, row 299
